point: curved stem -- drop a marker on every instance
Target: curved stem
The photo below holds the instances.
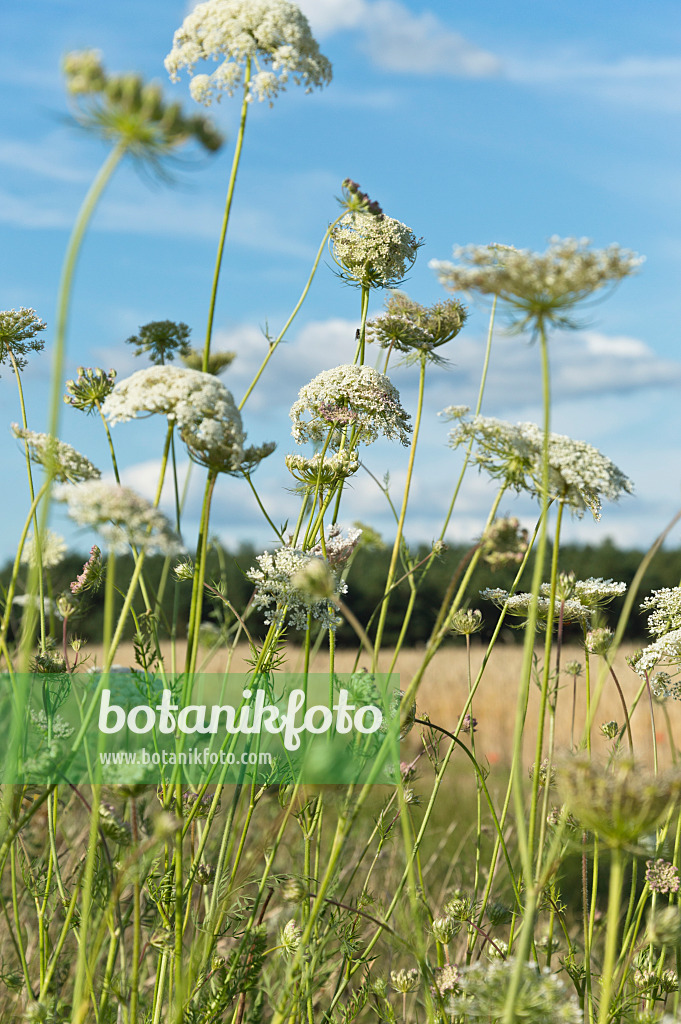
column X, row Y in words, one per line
column 275, row 344
column 225, row 219
column 68, row 270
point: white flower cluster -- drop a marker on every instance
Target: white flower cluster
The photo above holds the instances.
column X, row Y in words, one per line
column 483, row 991
column 663, row 686
column 338, row 547
column 664, row 623
column 579, row 475
column 198, row 403
column 666, row 649
column 278, row 588
column 52, row 550
column 274, row 35
column 592, row 593
column 571, row 609
column 61, row 461
column 665, row 610
column 358, row 398
column 539, row 285
column 373, row 250
column 120, row 516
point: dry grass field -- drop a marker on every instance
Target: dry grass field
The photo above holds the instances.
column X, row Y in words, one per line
column 444, row 690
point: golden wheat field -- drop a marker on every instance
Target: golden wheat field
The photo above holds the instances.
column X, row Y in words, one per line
column 445, row 687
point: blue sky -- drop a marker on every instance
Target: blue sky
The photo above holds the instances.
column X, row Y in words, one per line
column 486, row 122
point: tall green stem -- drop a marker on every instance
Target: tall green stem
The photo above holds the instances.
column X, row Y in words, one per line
column 225, row 219
column 525, row 938
column 612, row 931
column 68, row 271
column 403, row 514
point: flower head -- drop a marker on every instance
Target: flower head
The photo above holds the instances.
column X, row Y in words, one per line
column 355, row 397
column 270, row 38
column 217, row 361
column 90, row 388
column 620, row 802
column 92, row 576
column 61, row 461
column 127, row 111
column 579, row 475
column 291, row 583
column 538, row 287
column 662, row 876
column 519, row 605
column 541, row 996
column 161, row 341
column 405, row 980
column 198, row 403
column 665, row 610
column 373, row 250
column 504, row 543
column 665, row 650
column 409, row 327
column 327, row 469
column 18, row 329
column 119, row 515
column 52, row 550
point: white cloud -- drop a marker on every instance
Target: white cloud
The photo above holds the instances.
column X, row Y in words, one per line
column 397, row 39
column 328, row 16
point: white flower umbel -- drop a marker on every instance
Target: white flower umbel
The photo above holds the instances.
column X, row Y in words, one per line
column 52, row 550
column 665, row 610
column 354, row 400
column 273, row 34
column 120, row 516
column 579, row 475
column 537, row 286
column 281, row 590
column 373, row 250
column 519, row 604
column 592, row 593
column 666, row 650
column 483, row 994
column 338, row 548
column 199, row 404
column 60, row 460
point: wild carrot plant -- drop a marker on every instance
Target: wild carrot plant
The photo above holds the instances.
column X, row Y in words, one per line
column 136, row 891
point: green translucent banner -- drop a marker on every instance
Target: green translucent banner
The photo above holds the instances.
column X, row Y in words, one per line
column 131, row 728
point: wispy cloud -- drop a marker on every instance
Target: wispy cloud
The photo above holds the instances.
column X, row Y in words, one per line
column 397, row 39
column 637, row 81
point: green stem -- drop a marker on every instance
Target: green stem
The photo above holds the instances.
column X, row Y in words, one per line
column 403, row 514
column 68, row 270
column 275, row 344
column 199, row 577
column 524, row 849
column 612, row 932
column 225, row 219
column 11, row 589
